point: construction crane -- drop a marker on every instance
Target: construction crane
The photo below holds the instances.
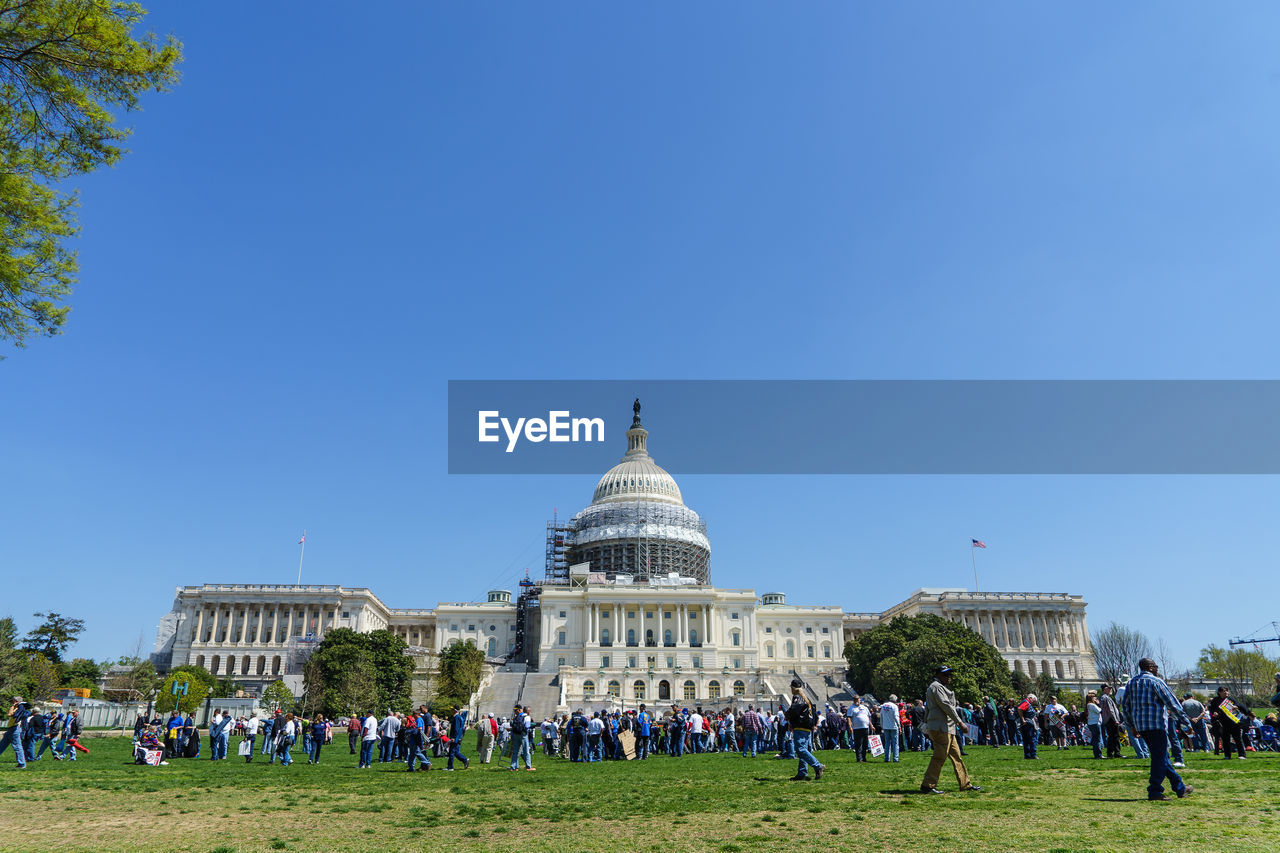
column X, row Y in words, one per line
column 1275, row 630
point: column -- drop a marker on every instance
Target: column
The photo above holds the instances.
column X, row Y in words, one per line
column 200, row 625
column 1017, row 623
column 288, row 632
column 257, row 630
column 213, row 632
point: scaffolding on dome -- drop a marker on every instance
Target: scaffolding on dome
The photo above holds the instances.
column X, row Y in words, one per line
column 643, row 539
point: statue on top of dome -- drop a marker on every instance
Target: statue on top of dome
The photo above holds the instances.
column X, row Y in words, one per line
column 635, row 407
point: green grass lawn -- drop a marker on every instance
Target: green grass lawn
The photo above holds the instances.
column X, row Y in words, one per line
column 1064, row 802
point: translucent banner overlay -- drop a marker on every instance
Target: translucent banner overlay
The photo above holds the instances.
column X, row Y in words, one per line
column 869, row 427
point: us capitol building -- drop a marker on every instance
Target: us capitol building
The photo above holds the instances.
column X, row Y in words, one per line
column 626, row 612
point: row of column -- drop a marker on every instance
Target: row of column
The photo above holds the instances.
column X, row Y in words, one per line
column 1009, row 629
column 683, row 624
column 242, row 614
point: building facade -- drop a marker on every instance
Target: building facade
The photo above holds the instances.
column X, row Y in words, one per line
column 634, row 618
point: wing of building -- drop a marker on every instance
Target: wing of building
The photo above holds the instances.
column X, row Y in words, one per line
column 625, row 613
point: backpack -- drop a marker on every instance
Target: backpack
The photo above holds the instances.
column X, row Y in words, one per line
column 517, row 724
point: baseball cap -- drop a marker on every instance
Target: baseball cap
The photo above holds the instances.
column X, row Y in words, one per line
column 943, row 670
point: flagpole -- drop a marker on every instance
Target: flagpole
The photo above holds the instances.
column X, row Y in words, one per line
column 973, row 555
column 301, row 554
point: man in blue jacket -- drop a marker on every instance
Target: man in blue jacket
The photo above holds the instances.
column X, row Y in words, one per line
column 13, row 735
column 457, row 728
column 643, row 731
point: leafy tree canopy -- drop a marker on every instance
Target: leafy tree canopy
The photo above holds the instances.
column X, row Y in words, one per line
column 64, row 64
column 277, row 696
column 82, row 669
column 458, row 674
column 1244, row 670
column 199, row 681
column 901, row 657
column 350, row 672
column 52, row 636
column 13, row 662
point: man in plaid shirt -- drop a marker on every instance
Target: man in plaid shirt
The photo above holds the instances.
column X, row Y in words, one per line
column 1147, row 703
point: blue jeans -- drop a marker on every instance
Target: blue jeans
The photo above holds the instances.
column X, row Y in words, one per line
column 455, row 751
column 889, row 737
column 313, row 754
column 415, row 755
column 286, row 758
column 1136, row 741
column 366, row 753
column 748, row 743
column 384, row 748
column 267, row 740
column 1158, row 742
column 1175, row 745
column 66, row 749
column 802, row 740
column 12, row 738
column 593, row 747
column 519, row 747
column 45, row 743
column 677, row 745
column 1095, row 738
column 642, row 747
column 1029, row 737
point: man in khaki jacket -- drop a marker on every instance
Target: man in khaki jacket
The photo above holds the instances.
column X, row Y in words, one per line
column 940, row 721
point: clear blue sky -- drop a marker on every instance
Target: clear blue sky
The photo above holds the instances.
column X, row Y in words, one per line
column 337, row 212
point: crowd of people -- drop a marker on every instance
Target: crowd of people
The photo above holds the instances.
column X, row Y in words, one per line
column 1141, row 714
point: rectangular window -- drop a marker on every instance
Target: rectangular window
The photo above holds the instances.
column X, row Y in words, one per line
column 471, row 627
column 648, row 614
column 671, row 662
column 697, row 661
column 631, row 661
column 561, row 661
column 768, row 651
column 737, row 663
column 733, row 615
column 809, row 651
column 652, row 661
column 604, row 661
column 826, row 651
column 604, row 615
column 735, row 638
column 346, row 614
column 768, row 629
column 693, row 614
column 826, row 630
column 562, row 614
column 666, row 614
column 808, row 630
column 560, row 638
column 631, row 614
column 453, row 627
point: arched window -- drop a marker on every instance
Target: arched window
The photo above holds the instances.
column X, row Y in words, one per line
column 690, row 691
column 275, row 665
column 713, row 690
column 791, row 648
column 693, row 636
column 1057, row 667
column 244, row 665
column 262, row 665
column 493, row 647
column 768, row 650
column 1044, row 666
column 214, row 664
column 199, row 660
column 739, row 689
column 588, row 688
column 826, row 650
column 1031, row 667
column 637, row 690
column 736, row 638
column 664, row 690
column 615, row 689
column 1072, row 666
column 631, row 636
column 808, row 650
column 666, row 638
column 604, row 636
column 648, row 637
column 1017, row 666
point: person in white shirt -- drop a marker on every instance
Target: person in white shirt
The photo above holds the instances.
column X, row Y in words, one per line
column 251, row 734
column 595, row 728
column 889, row 727
column 369, row 737
column 695, row 729
column 860, row 721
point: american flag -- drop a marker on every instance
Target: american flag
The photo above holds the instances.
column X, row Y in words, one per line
column 304, row 539
column 978, row 543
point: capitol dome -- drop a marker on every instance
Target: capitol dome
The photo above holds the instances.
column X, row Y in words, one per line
column 637, row 523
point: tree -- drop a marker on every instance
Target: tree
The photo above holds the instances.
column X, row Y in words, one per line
column 198, row 682
column 1022, row 683
column 902, row 656
column 64, row 64
column 82, row 669
column 342, row 674
column 133, row 680
column 277, row 696
column 42, row 677
column 393, row 669
column 52, row 637
column 1244, row 670
column 1117, row 650
column 13, row 663
column 458, row 675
